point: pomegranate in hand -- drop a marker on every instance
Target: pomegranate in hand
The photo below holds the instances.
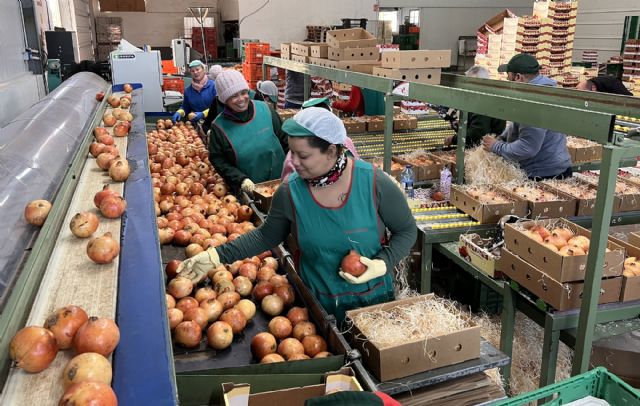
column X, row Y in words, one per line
column 351, row 264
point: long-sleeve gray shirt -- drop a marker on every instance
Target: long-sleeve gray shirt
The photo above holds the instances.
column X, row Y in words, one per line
column 538, row 151
column 393, row 211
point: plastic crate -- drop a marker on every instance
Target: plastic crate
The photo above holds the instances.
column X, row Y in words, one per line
column 173, row 84
column 252, row 72
column 168, row 68
column 254, row 52
column 598, row 383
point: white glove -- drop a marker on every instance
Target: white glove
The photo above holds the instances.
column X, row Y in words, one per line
column 247, row 186
column 375, row 269
column 196, row 267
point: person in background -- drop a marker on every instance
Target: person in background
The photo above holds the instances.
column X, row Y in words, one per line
column 354, row 105
column 246, row 143
column 214, row 71
column 198, row 96
column 479, row 125
column 332, row 204
column 293, row 90
column 604, row 84
column 267, row 91
column 325, row 103
column 541, row 153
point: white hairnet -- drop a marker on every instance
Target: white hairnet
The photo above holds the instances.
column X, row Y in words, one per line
column 322, row 123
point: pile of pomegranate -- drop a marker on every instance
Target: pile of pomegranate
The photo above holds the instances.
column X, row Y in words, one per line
column 196, row 211
column 87, row 377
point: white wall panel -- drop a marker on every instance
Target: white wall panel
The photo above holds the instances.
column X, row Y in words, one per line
column 285, row 20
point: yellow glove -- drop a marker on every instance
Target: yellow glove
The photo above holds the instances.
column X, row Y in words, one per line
column 375, row 269
column 247, row 185
column 196, row 267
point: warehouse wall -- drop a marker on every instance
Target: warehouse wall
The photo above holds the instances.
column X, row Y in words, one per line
column 19, row 88
column 285, row 20
column 600, row 26
column 229, row 10
column 160, row 23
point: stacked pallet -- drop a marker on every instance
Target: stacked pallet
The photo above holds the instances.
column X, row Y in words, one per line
column 108, row 34
column 631, row 65
column 590, row 56
column 317, row 33
column 350, row 49
column 210, row 41
column 562, row 16
column 534, row 38
column 422, row 66
column 490, row 50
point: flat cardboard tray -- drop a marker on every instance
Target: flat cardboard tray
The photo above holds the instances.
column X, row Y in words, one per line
column 427, row 76
column 416, row 356
column 630, row 285
column 263, row 202
column 566, row 207
column 350, row 38
column 486, row 213
column 418, row 59
column 359, row 54
column 556, row 266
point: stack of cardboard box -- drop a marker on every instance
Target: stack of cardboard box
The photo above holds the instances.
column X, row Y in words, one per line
column 422, row 66
column 562, row 17
column 491, row 51
column 350, row 49
column 631, row 65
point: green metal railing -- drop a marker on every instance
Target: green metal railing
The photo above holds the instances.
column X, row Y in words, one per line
column 584, row 114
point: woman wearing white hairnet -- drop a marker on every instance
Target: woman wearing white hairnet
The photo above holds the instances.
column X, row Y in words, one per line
column 332, row 204
column 198, row 96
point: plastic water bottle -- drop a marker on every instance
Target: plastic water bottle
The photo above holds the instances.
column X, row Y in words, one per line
column 445, row 182
column 406, row 178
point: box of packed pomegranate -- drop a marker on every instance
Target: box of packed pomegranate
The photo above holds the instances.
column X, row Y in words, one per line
column 486, row 204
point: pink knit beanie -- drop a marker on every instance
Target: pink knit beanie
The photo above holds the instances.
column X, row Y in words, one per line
column 228, row 83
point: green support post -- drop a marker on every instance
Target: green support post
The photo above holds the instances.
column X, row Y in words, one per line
column 307, row 87
column 426, row 266
column 550, row 346
column 611, row 155
column 388, row 131
column 463, row 129
column 508, row 323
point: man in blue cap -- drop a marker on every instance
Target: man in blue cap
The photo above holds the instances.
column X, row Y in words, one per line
column 198, row 96
column 541, row 153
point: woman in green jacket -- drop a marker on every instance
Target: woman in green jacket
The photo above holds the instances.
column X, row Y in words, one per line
column 332, row 204
column 246, row 144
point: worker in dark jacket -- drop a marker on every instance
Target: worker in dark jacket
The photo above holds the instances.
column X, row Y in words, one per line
column 198, row 96
column 604, row 84
column 479, row 125
column 332, row 204
column 246, row 144
column 541, row 153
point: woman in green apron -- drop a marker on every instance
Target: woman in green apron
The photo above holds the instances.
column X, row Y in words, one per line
column 332, row 204
column 246, row 143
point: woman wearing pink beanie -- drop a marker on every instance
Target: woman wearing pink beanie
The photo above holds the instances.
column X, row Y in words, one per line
column 246, row 145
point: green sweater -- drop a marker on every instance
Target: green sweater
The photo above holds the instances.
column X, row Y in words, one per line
column 393, row 211
column 221, row 153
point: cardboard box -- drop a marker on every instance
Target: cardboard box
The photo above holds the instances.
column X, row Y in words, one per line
column 630, row 286
column 620, row 354
column 560, row 296
column 350, row 38
column 405, row 122
column 415, row 356
column 584, row 207
column 365, row 67
column 420, row 59
column 585, row 154
column 240, row 394
column 422, row 172
column 375, row 125
column 354, row 54
column 556, row 266
column 428, row 76
column 552, row 209
column 319, row 50
column 485, row 261
column 285, row 50
column 300, row 58
column 621, row 203
column 485, row 213
column 302, row 48
column 263, row 201
column 354, row 126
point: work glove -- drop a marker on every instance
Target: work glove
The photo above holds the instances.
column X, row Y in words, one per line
column 177, row 116
column 375, row 269
column 196, row 267
column 247, row 186
column 197, row 117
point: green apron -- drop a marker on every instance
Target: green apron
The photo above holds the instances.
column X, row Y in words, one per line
column 257, row 150
column 373, row 102
column 326, row 235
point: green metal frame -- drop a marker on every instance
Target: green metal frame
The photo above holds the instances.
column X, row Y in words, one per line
column 23, row 294
column 587, row 115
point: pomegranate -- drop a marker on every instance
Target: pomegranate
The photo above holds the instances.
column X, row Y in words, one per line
column 97, row 199
column 127, row 88
column 235, row 318
column 89, row 393
column 220, row 335
column 96, row 148
column 286, row 293
column 97, row 335
column 87, row 367
column 263, row 344
column 109, row 120
column 175, row 317
column 351, row 264
column 197, row 314
column 205, row 293
column 313, row 345
column 84, row 224
column 243, row 285
column 171, row 268
column 112, row 207
column 33, row 348
column 297, row 314
column 37, row 211
column 113, row 100
column 180, row 287
column 187, row 334
column 280, row 327
column 103, row 250
column 99, row 96
column 323, row 354
column 64, row 323
column 272, row 305
column 105, row 159
column 247, row 307
column 261, row 290
column 271, row 358
column 214, row 309
column 303, row 329
column 119, row 170
column 186, row 303
column 289, row 347
column 121, row 130
column 563, row 233
column 171, row 302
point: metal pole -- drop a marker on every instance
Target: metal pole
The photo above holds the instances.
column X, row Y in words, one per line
column 599, row 236
column 463, row 129
column 388, row 130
